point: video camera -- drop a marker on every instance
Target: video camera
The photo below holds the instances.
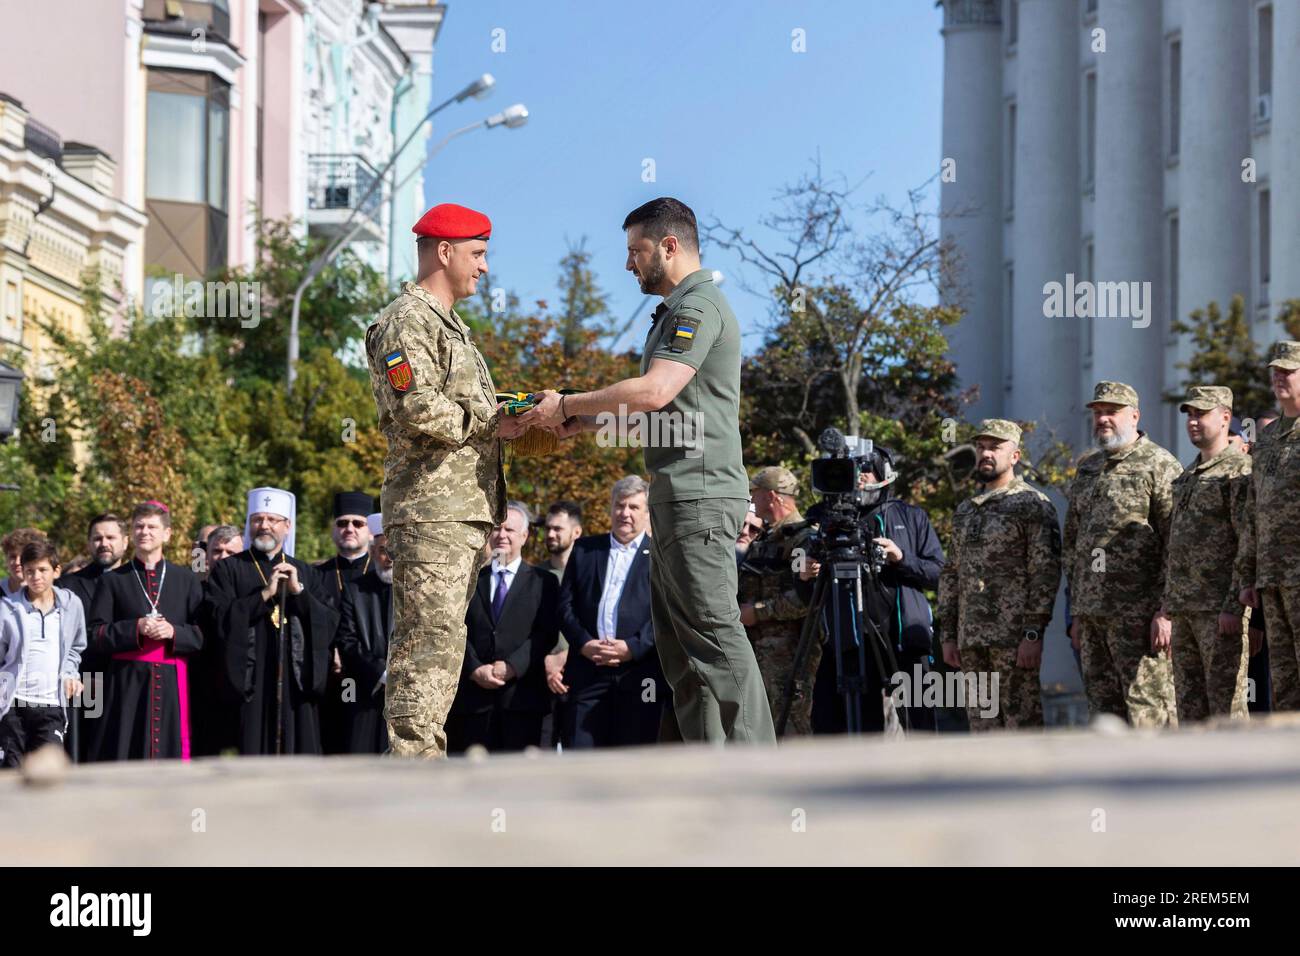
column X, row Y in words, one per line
column 837, row 477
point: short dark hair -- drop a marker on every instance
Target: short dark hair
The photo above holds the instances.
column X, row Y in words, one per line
column 151, row 508
column 100, row 519
column 43, row 550
column 566, row 507
column 666, row 217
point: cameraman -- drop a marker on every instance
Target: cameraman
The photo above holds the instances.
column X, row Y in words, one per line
column 911, row 559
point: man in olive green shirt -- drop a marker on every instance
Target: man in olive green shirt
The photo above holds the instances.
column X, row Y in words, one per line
column 684, row 409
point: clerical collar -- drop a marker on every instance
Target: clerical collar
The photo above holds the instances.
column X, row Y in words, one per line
column 143, row 567
column 260, row 555
column 352, row 561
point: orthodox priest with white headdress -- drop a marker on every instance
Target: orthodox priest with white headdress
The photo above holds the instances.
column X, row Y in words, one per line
column 274, row 619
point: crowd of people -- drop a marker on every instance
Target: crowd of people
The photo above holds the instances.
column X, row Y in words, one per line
column 1170, row 573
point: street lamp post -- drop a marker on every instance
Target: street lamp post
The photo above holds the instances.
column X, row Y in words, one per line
column 478, row 89
column 511, row 117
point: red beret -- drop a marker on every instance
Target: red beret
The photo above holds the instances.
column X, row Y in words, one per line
column 449, row 221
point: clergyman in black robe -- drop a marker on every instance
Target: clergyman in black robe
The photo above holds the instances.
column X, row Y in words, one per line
column 351, row 536
column 247, row 625
column 146, row 692
column 365, row 624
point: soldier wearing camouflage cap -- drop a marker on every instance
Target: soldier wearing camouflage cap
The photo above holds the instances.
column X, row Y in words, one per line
column 1208, row 635
column 1268, row 560
column 774, row 597
column 1116, row 526
column 998, row 587
column 444, row 487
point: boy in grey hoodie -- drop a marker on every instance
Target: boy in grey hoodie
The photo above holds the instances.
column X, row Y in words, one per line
column 42, row 635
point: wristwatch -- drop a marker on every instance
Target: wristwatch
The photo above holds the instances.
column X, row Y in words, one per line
column 1032, row 635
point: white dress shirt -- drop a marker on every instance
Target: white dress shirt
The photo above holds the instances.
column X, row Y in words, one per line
column 510, row 569
column 620, row 562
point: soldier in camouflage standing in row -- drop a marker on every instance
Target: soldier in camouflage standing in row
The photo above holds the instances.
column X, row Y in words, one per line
column 1208, row 639
column 1116, row 529
column 774, row 600
column 998, row 587
column 443, row 484
column 1268, row 561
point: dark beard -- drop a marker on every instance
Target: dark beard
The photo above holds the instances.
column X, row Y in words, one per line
column 105, row 561
column 653, row 277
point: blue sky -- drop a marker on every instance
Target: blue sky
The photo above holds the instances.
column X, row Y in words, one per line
column 711, row 91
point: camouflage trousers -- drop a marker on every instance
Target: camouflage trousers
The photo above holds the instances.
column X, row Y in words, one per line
column 1020, row 697
column 775, row 662
column 1282, row 625
column 1120, row 674
column 435, row 568
column 1209, row 670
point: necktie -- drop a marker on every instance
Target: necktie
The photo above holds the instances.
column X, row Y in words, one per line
column 499, row 599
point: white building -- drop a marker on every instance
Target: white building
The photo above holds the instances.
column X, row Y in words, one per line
column 1147, row 141
column 368, row 79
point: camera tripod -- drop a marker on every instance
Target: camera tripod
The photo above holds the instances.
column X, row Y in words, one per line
column 840, row 582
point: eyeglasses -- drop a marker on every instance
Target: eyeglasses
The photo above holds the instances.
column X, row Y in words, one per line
column 349, row 523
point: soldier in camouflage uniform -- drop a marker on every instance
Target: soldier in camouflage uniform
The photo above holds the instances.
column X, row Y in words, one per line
column 444, row 488
column 1116, row 529
column 1208, row 639
column 998, row 587
column 773, row 598
column 1268, row 560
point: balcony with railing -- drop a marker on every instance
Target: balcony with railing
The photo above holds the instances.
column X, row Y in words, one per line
column 183, row 17
column 339, row 184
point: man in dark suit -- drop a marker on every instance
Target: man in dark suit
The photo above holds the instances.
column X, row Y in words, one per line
column 616, row 687
column 511, row 624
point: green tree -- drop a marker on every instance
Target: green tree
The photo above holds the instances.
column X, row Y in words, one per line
column 1224, row 353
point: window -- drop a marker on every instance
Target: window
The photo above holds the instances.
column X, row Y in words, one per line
column 1175, row 92
column 1008, row 326
column 1265, row 246
column 218, row 122
column 1173, row 274
column 187, row 155
column 1013, row 23
column 1090, row 130
column 187, row 165
column 1011, row 156
column 174, row 159
column 1089, row 267
column 1090, row 8
column 1265, row 20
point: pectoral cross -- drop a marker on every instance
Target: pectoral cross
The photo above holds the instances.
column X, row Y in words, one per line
column 275, row 617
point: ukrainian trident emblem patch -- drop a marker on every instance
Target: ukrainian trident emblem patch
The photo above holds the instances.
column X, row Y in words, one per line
column 399, row 371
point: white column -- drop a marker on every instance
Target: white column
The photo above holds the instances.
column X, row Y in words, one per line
column 971, row 205
column 1284, row 179
column 1128, row 212
column 1214, row 204
column 1045, row 232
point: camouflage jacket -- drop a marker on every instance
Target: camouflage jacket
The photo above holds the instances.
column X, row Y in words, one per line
column 437, row 409
column 1269, row 552
column 1003, row 568
column 1116, row 528
column 769, row 582
column 1204, row 530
